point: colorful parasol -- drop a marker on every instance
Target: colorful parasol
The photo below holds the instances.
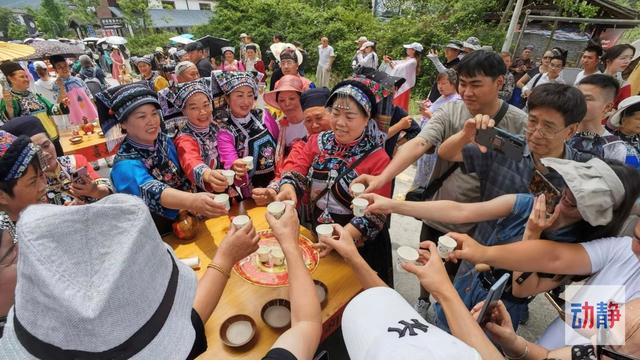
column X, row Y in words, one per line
column 9, row 51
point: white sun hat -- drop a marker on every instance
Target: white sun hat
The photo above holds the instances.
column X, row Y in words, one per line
column 103, row 285
column 379, row 324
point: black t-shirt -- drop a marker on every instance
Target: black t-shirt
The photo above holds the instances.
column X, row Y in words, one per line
column 204, row 67
column 279, row 354
column 200, row 343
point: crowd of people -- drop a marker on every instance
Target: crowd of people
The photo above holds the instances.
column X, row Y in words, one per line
column 187, row 129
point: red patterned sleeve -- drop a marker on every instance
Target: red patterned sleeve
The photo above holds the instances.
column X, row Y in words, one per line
column 374, row 165
column 190, row 158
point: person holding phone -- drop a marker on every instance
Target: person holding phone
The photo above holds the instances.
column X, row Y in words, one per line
column 610, row 261
column 581, row 214
column 71, row 180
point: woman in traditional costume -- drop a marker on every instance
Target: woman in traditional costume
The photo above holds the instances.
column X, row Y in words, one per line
column 156, row 81
column 146, row 164
column 246, row 132
column 67, row 182
column 196, row 142
column 24, row 102
column 332, row 160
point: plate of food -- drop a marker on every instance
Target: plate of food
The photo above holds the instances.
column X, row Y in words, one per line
column 267, row 267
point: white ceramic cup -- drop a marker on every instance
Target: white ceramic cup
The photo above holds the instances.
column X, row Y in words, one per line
column 230, row 175
column 192, row 262
column 224, row 199
column 289, row 202
column 248, row 160
column 359, row 206
column 240, row 221
column 276, row 209
column 357, row 189
column 406, row 254
column 324, row 230
column 263, row 253
column 277, row 257
column 446, row 245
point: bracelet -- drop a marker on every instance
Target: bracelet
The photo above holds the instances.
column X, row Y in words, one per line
column 219, row 268
column 524, row 354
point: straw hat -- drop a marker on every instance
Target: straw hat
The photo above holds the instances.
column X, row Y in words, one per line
column 102, row 286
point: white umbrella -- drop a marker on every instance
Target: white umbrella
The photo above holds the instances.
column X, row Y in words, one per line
column 180, row 40
column 113, row 40
column 91, row 39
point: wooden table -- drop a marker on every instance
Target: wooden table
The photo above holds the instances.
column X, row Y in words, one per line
column 242, row 297
column 93, row 147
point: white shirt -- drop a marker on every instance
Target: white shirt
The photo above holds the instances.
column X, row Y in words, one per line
column 369, row 60
column 612, row 263
column 581, row 76
column 540, row 79
column 45, row 88
column 324, row 54
column 294, row 132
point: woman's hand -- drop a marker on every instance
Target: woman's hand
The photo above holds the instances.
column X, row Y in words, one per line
column 239, row 243
column 217, row 181
column 405, row 122
column 499, row 327
column 263, row 196
column 287, row 228
column 539, row 220
column 378, row 204
column 468, row 249
column 203, row 204
column 432, row 275
column 287, row 192
column 342, row 243
column 240, row 168
column 84, row 186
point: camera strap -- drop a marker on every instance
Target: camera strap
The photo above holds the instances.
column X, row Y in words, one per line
column 436, row 184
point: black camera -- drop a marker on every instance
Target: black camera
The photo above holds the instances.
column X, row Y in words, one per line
column 168, row 68
column 496, row 139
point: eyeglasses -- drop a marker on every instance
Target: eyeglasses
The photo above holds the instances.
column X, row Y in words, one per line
column 287, row 62
column 546, row 132
column 547, row 57
column 554, row 66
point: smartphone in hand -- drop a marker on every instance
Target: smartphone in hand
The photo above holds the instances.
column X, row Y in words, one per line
column 495, row 293
column 79, row 175
column 541, row 185
column 496, row 139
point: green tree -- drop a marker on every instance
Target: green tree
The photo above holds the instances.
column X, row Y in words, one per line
column 17, row 31
column 136, row 13
column 343, row 21
column 52, row 18
column 84, row 10
column 6, row 18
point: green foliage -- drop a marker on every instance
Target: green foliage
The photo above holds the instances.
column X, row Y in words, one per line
column 17, row 31
column 576, row 8
column 136, row 13
column 343, row 21
column 6, row 18
column 143, row 44
column 52, row 18
column 84, row 10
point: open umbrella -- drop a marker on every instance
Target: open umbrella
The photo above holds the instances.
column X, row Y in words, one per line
column 214, row 44
column 180, row 39
column 113, row 40
column 91, row 39
column 9, row 51
column 44, row 49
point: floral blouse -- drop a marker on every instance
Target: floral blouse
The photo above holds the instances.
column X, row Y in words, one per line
column 59, row 186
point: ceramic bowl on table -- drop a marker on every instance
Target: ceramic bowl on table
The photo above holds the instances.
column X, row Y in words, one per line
column 75, row 140
column 277, row 314
column 238, row 331
column 322, row 291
